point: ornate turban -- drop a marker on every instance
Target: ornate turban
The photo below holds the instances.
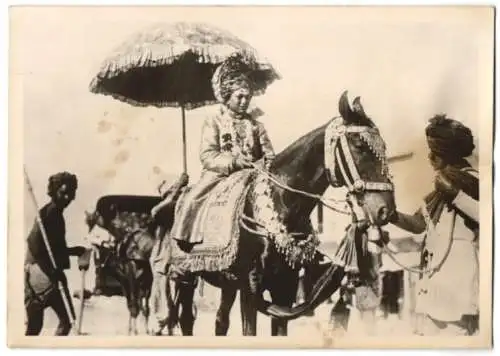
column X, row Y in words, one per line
column 57, row 180
column 230, row 76
column 448, row 138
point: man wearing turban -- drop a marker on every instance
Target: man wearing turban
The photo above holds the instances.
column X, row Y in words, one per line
column 447, row 293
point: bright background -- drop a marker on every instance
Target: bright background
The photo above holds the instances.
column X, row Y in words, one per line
column 404, row 71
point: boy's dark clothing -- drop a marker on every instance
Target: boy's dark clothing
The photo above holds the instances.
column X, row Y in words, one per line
column 41, row 279
column 55, row 228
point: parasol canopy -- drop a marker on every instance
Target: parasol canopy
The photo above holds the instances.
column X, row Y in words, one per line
column 172, row 65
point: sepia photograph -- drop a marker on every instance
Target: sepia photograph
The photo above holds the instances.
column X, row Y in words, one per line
column 250, row 176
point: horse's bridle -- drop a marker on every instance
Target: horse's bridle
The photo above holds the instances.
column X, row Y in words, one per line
column 337, row 151
column 336, row 148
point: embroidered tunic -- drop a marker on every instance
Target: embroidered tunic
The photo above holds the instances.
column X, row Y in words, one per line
column 224, row 138
column 452, row 291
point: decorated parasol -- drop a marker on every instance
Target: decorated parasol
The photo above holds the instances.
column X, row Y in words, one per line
column 172, row 65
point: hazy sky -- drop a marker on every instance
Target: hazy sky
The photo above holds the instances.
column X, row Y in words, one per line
column 405, row 71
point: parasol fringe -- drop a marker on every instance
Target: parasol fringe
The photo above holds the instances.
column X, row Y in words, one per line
column 97, row 89
column 113, row 69
column 147, row 57
column 165, row 45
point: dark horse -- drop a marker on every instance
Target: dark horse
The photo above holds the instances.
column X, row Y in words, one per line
column 301, row 167
column 127, row 260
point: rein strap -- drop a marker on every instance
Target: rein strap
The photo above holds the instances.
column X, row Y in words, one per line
column 338, row 152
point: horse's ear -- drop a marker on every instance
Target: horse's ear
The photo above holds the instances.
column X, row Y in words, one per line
column 360, row 113
column 344, row 107
column 357, row 107
column 88, row 216
column 90, row 219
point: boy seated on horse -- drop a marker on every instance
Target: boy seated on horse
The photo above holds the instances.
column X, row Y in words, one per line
column 231, row 140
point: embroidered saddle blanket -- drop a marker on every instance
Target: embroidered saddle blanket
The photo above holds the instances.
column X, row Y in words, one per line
column 217, row 222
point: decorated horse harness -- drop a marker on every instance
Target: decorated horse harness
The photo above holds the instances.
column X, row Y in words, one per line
column 337, row 154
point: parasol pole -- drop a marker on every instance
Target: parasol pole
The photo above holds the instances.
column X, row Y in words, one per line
column 184, row 158
column 49, row 251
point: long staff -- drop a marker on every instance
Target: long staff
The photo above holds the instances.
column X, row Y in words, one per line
column 51, row 256
column 83, row 272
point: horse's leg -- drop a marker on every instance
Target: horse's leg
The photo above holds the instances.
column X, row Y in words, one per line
column 133, row 298
column 126, row 292
column 283, row 293
column 228, row 295
column 186, row 299
column 339, row 316
column 252, row 288
column 248, row 313
column 248, row 294
column 279, row 327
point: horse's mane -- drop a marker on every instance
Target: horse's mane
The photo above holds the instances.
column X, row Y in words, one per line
column 296, row 149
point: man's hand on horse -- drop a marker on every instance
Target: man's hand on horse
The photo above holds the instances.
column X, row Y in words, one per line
column 444, row 186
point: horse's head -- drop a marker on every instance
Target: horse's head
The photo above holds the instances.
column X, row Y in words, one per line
column 355, row 157
column 100, row 217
